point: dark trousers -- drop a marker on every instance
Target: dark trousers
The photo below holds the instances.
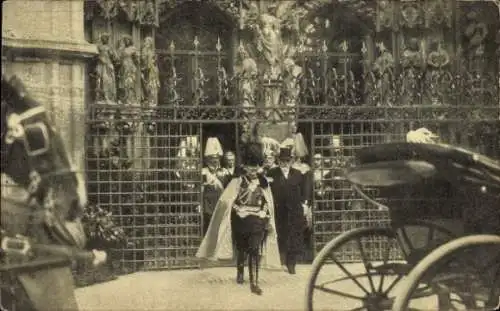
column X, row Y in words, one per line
column 206, row 222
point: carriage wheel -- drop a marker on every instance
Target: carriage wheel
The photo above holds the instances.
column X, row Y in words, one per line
column 335, row 284
column 465, row 271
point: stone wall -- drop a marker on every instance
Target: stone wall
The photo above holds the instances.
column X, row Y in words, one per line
column 43, row 43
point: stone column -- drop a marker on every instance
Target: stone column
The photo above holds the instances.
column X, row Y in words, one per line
column 43, row 43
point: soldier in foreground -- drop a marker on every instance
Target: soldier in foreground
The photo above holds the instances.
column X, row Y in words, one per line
column 244, row 216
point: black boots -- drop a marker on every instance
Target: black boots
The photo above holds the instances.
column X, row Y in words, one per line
column 240, row 264
column 240, row 274
column 253, row 268
column 290, row 264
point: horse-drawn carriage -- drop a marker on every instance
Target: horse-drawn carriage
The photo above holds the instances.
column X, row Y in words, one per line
column 440, row 253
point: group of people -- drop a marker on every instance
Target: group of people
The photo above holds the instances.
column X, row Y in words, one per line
column 258, row 211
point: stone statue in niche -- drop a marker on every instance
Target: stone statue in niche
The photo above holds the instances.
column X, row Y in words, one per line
column 129, row 7
column 109, row 8
column 412, row 55
column 105, row 71
column 412, row 61
column 385, row 16
column 475, row 32
column 437, row 59
column 384, row 69
column 146, row 12
column 247, row 73
column 291, row 87
column 150, row 74
column 127, row 77
column 269, row 42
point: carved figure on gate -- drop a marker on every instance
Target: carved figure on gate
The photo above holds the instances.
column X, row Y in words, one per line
column 275, row 31
column 475, row 32
column 146, row 12
column 150, row 75
column 248, row 80
column 384, row 67
column 412, row 55
column 105, row 71
column 439, row 57
column 127, row 78
column 412, row 61
column 269, row 40
column 291, row 89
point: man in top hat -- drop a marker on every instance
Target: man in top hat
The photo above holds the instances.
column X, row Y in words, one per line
column 287, row 185
column 213, row 179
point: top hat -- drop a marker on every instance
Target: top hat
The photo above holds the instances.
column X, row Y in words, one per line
column 285, row 154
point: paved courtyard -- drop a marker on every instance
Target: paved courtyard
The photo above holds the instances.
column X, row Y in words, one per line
column 216, row 289
column 207, row 289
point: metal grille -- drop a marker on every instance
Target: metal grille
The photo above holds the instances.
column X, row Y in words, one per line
column 337, row 208
column 149, row 179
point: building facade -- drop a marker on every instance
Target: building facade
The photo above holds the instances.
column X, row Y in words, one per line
column 137, row 87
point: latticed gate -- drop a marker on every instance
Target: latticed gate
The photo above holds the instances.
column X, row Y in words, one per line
column 347, row 86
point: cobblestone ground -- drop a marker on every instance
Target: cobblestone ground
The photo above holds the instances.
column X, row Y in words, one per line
column 207, row 289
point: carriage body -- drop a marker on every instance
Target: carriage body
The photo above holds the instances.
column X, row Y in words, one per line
column 444, row 208
column 433, row 182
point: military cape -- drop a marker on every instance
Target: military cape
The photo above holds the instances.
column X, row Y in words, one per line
column 217, row 245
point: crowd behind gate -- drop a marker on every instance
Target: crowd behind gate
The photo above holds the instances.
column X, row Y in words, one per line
column 321, row 186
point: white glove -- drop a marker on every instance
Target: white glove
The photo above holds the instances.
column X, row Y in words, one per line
column 100, row 257
column 305, row 208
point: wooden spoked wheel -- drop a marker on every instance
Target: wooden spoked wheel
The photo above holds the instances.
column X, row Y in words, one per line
column 361, row 268
column 464, row 274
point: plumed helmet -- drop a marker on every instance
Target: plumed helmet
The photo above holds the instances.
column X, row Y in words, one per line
column 253, row 154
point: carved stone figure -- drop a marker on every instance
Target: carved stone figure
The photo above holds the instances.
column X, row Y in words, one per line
column 105, row 71
column 438, row 57
column 412, row 55
column 436, row 85
column 412, row 61
column 384, row 68
column 127, row 78
column 291, row 87
column 150, row 75
column 109, row 8
column 269, row 41
column 146, row 12
column 247, row 73
column 385, row 62
column 475, row 32
column 385, row 16
column 411, row 14
column 129, row 7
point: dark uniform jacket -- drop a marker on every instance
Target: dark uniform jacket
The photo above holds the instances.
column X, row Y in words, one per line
column 288, row 195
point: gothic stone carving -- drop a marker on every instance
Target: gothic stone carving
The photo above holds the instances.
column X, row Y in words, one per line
column 105, row 71
column 150, row 75
column 127, row 77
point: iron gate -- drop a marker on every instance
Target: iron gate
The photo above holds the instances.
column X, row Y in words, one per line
column 148, row 176
column 144, row 162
